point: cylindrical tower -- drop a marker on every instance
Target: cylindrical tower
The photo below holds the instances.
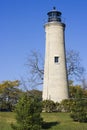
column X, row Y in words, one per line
column 55, row 85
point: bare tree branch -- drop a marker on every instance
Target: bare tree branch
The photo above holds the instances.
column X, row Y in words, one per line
column 74, row 68
column 35, row 64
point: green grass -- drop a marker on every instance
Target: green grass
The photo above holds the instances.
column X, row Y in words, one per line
column 54, row 121
column 62, row 121
column 6, row 118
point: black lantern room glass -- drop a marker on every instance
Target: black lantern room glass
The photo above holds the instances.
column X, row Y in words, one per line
column 54, row 15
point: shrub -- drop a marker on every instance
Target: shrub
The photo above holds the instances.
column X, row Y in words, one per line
column 28, row 112
column 79, row 110
column 66, row 105
column 50, row 106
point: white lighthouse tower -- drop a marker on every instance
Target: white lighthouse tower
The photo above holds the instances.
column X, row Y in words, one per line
column 55, row 76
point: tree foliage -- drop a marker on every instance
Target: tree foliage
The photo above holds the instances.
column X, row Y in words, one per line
column 76, row 91
column 28, row 112
column 9, row 95
column 66, row 105
column 79, row 103
column 79, row 110
column 50, row 106
column 8, row 84
column 36, row 93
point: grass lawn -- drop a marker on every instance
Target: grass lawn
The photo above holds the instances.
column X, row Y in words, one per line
column 6, row 118
column 62, row 121
column 54, row 121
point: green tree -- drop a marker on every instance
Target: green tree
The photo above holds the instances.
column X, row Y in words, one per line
column 76, row 91
column 36, row 93
column 28, row 112
column 8, row 84
column 9, row 94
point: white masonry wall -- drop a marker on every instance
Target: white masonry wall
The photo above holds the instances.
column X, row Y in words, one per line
column 55, row 78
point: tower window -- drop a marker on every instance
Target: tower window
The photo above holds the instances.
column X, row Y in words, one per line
column 56, row 59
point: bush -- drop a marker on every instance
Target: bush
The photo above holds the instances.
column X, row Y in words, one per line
column 50, row 106
column 28, row 112
column 79, row 110
column 66, row 105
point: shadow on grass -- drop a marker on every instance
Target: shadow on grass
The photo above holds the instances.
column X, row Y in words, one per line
column 47, row 125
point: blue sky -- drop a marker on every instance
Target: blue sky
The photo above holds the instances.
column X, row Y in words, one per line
column 22, row 30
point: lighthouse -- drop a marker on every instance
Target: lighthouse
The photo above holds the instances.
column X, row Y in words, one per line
column 55, row 86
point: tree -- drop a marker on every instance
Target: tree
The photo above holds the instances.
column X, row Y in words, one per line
column 74, row 67
column 36, row 67
column 36, row 93
column 9, row 95
column 28, row 111
column 76, row 91
column 8, row 84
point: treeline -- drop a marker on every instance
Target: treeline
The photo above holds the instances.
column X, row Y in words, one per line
column 10, row 94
